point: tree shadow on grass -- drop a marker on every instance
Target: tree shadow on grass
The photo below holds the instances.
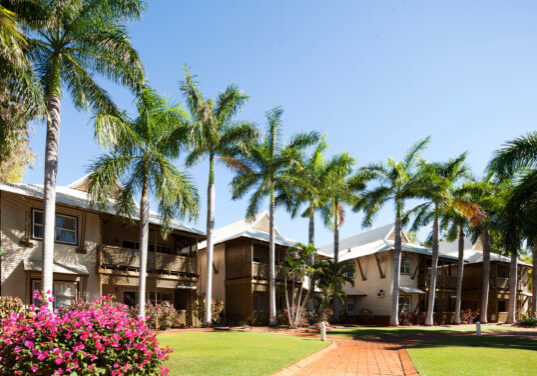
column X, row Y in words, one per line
column 490, row 341
column 384, row 334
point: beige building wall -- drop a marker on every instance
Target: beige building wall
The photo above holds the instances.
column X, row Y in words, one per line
column 380, row 306
column 15, row 226
column 219, row 275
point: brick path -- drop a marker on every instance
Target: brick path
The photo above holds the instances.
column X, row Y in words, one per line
column 357, row 358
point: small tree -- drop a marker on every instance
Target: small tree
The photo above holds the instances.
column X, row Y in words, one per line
column 296, row 273
column 330, row 276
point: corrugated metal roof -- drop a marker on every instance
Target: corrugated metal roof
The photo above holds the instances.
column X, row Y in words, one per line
column 77, row 198
column 247, row 229
column 471, row 254
column 373, row 241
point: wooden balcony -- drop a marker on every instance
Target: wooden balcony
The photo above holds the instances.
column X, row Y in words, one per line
column 117, row 258
column 260, row 271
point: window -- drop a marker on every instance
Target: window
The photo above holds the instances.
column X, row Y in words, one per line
column 63, row 292
column 406, row 266
column 65, row 230
column 502, row 305
column 349, row 307
column 349, row 271
column 503, row 271
column 405, row 303
column 130, row 298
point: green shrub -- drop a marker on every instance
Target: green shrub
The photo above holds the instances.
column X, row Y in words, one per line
column 9, row 304
column 527, row 321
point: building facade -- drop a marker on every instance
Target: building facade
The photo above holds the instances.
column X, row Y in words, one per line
column 95, row 252
column 241, row 269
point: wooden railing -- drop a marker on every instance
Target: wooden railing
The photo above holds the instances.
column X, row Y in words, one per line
column 112, row 257
column 261, row 271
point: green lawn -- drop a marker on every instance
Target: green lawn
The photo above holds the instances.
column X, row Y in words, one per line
column 234, row 353
column 383, row 332
column 473, row 356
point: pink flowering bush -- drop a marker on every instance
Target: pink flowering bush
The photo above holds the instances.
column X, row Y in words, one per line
column 103, row 340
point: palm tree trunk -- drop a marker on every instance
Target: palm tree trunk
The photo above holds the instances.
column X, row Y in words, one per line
column 51, row 172
column 486, row 277
column 460, row 271
column 311, row 240
column 394, row 319
column 144, row 242
column 434, row 270
column 337, row 303
column 210, row 246
column 273, row 320
column 534, row 283
column 511, row 309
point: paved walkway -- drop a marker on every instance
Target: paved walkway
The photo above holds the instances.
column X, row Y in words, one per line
column 356, row 358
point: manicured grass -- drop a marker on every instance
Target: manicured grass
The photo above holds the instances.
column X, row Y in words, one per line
column 383, row 332
column 234, row 353
column 472, row 355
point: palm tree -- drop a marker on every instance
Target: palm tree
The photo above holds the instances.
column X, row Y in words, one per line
column 265, row 169
column 398, row 181
column 438, row 181
column 72, row 41
column 340, row 189
column 217, row 135
column 20, row 98
column 518, row 160
column 313, row 171
column 486, row 195
column 141, row 153
column 330, row 277
column 455, row 220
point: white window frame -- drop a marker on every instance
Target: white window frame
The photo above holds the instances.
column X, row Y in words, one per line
column 406, row 305
column 406, row 269
column 42, row 225
column 36, row 285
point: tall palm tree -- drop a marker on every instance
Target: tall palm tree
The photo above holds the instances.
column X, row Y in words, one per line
column 340, row 189
column 486, row 195
column 312, row 169
column 215, row 134
column 455, row 220
column 141, row 154
column 438, row 181
column 397, row 181
column 72, row 41
column 20, row 97
column 265, row 169
column 518, row 160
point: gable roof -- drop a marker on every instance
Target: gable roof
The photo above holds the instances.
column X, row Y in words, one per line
column 68, row 195
column 473, row 253
column 257, row 229
column 373, row 241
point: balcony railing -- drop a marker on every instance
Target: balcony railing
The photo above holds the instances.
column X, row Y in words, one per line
column 129, row 259
column 261, row 271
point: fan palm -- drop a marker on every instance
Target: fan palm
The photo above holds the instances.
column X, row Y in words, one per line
column 265, row 169
column 217, row 135
column 398, row 181
column 141, row 153
column 71, row 42
column 437, row 181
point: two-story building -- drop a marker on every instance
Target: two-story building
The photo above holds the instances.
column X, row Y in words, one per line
column 95, row 252
column 499, row 280
column 371, row 253
column 241, row 269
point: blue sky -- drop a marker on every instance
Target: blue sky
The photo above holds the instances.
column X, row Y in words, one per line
column 374, row 76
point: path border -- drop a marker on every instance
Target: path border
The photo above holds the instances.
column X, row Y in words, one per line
column 306, row 361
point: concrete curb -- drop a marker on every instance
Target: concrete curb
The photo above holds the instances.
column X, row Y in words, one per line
column 304, row 362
